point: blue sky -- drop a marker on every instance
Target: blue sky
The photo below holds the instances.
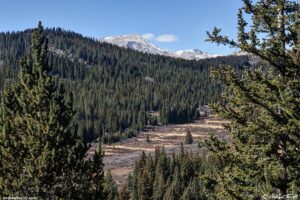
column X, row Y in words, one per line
column 172, row 24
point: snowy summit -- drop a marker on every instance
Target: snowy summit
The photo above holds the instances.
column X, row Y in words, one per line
column 139, row 43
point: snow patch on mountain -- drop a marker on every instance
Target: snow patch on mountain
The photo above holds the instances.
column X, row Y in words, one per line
column 135, row 42
column 139, row 43
column 194, row 54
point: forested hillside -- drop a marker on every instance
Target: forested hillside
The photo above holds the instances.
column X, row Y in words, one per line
column 117, row 91
column 69, row 90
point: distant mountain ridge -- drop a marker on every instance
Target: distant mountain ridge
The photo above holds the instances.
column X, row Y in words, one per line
column 139, row 43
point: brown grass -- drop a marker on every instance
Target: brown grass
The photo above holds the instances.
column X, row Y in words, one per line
column 120, row 157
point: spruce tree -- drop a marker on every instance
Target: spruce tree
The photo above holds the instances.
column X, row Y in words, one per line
column 40, row 153
column 110, row 187
column 192, row 192
column 188, row 138
column 158, row 186
column 148, row 138
column 263, row 104
column 123, row 193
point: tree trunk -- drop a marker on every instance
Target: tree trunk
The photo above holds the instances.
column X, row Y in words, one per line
column 283, row 180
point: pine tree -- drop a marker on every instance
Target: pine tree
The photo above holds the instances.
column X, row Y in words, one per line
column 188, row 138
column 263, row 104
column 123, row 193
column 110, row 187
column 158, row 186
column 144, row 186
column 174, row 190
column 192, row 192
column 41, row 154
column 133, row 183
column 93, row 174
column 148, row 138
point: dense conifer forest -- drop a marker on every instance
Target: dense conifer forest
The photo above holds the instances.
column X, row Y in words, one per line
column 41, row 155
column 116, row 91
column 68, row 90
column 261, row 160
column 162, row 176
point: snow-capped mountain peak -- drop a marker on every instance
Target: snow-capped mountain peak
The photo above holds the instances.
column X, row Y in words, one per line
column 135, row 42
column 124, row 39
column 194, row 54
column 139, row 43
column 189, row 51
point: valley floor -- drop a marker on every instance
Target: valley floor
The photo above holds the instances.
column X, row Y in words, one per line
column 120, row 157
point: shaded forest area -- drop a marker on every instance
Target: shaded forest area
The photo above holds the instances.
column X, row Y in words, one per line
column 116, row 90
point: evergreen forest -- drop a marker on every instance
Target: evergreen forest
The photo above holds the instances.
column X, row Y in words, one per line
column 60, row 91
column 115, row 90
